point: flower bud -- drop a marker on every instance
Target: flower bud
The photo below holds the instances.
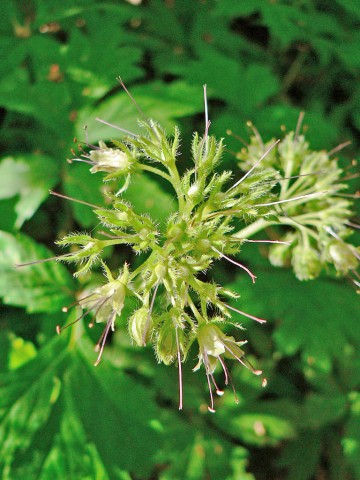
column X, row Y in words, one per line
column 167, row 345
column 193, row 190
column 160, row 271
column 140, row 326
column 204, row 245
column 343, row 256
column 280, row 254
column 306, row 263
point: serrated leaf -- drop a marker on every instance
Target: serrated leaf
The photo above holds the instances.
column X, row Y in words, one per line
column 317, row 319
column 44, row 287
column 59, row 404
column 24, row 176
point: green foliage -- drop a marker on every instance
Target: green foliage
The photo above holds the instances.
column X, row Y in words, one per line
column 264, row 61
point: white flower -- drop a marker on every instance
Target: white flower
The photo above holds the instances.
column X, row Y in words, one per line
column 110, row 160
column 213, row 346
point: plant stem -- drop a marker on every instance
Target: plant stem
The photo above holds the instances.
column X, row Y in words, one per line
column 253, row 228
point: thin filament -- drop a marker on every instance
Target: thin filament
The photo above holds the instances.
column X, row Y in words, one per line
column 253, row 277
column 180, row 370
column 102, row 339
column 257, row 319
column 254, row 166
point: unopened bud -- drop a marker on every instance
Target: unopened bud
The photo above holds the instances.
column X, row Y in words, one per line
column 167, row 346
column 193, row 190
column 306, row 263
column 344, row 256
column 138, row 323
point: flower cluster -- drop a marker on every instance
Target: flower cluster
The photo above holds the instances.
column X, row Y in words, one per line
column 312, row 210
column 198, row 234
column 290, row 186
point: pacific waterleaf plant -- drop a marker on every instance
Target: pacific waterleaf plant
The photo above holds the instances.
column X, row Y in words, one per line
column 175, row 307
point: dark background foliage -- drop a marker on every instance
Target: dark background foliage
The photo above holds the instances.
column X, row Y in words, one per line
column 264, row 61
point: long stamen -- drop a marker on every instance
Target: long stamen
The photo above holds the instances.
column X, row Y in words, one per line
column 119, row 79
column 43, row 260
column 259, row 241
column 180, row 370
column 291, row 177
column 351, row 177
column 253, row 277
column 355, row 195
column 298, row 126
column 115, row 126
column 309, row 195
column 149, row 314
column 228, row 378
column 208, row 374
column 211, row 409
column 257, row 319
column 81, row 160
column 60, row 329
column 246, row 365
column 339, row 147
column 241, row 140
column 351, row 224
column 254, row 166
column 218, row 390
column 74, row 199
column 102, row 339
column 77, row 302
column 99, row 303
column 256, row 133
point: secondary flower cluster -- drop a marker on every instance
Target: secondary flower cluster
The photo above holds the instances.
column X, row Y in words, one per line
column 311, row 208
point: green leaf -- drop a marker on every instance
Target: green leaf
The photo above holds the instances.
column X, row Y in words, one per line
column 264, row 424
column 163, row 103
column 301, row 456
column 30, row 177
column 152, row 200
column 317, row 319
column 315, row 416
column 45, row 287
column 72, row 454
column 60, row 415
column 82, row 185
column 38, row 101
